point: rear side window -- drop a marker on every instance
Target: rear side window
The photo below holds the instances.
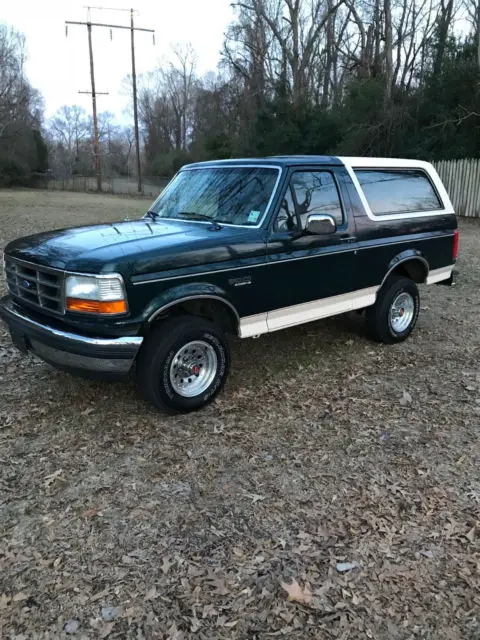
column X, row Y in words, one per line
column 398, row 191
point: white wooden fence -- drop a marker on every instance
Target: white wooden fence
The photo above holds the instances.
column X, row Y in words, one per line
column 462, row 181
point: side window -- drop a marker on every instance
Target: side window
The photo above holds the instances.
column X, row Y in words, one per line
column 397, row 191
column 316, row 192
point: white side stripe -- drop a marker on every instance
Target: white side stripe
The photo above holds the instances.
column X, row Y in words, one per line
column 253, row 325
column 437, row 275
column 309, row 311
column 306, row 312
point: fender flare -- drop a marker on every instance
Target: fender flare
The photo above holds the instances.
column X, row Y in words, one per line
column 186, row 293
column 409, row 255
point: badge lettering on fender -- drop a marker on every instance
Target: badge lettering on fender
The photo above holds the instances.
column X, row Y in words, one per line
column 240, row 282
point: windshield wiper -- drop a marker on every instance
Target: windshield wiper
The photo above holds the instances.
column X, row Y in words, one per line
column 200, row 216
column 194, row 216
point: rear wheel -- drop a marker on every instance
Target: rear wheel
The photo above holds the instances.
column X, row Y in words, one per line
column 183, row 364
column 393, row 316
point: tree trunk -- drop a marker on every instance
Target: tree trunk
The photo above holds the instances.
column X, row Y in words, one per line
column 329, row 56
column 377, row 37
column 387, row 8
column 444, row 22
column 477, row 30
column 296, row 80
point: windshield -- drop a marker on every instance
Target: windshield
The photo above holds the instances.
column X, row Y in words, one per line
column 232, row 195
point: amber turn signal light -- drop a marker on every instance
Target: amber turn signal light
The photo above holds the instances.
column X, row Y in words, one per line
column 96, row 306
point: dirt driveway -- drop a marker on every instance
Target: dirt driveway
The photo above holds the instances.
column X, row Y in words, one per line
column 349, row 467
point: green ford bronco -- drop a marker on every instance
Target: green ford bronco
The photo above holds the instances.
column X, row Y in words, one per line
column 239, row 247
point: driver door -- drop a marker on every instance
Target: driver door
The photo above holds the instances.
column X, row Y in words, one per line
column 311, row 276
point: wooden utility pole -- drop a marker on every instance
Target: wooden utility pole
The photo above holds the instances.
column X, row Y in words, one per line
column 132, row 28
column 96, row 142
column 135, row 108
column 96, row 138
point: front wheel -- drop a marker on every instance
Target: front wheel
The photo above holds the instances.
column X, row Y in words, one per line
column 183, row 364
column 394, row 315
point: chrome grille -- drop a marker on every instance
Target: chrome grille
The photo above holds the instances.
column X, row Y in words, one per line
column 38, row 286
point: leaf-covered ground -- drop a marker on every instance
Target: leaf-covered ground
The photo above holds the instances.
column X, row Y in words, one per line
column 332, row 491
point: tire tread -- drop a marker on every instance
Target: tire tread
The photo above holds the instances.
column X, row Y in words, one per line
column 376, row 321
column 155, row 349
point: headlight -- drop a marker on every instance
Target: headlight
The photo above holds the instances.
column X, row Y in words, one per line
column 95, row 294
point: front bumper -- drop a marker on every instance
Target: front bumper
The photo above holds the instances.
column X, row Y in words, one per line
column 69, row 351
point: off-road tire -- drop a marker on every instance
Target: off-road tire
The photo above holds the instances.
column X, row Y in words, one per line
column 159, row 349
column 377, row 321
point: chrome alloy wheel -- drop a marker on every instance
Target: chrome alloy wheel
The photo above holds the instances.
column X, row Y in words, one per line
column 193, row 368
column 402, row 312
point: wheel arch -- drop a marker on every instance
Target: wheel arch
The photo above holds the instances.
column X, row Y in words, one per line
column 211, row 305
column 410, row 264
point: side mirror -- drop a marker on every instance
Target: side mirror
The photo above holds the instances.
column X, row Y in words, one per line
column 319, row 224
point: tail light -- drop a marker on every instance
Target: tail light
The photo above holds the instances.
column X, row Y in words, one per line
column 455, row 244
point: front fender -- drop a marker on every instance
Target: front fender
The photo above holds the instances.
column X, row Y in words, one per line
column 184, row 292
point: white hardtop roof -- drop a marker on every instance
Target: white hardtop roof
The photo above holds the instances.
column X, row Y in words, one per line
column 363, row 161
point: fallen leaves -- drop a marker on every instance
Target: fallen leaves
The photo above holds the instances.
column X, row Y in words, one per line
column 406, row 399
column 53, row 477
column 296, row 593
column 20, row 597
column 166, row 565
column 219, row 586
column 254, row 497
column 109, row 613
column 306, row 471
column 106, row 630
column 470, row 536
column 4, row 601
column 71, row 626
column 152, row 594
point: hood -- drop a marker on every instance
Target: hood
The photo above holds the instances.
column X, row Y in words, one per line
column 128, row 247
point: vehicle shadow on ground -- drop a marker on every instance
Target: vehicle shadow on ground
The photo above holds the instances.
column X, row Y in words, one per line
column 271, row 357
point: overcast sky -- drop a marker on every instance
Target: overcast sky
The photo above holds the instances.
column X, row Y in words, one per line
column 59, row 66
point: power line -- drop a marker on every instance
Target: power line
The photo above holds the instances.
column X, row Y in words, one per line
column 107, row 8
column 132, row 28
column 110, row 26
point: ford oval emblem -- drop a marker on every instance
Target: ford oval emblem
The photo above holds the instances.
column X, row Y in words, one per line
column 27, row 284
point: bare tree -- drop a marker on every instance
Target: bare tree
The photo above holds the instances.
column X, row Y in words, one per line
column 21, row 110
column 181, row 80
column 290, row 37
column 167, row 104
column 13, row 86
column 473, row 15
column 70, row 134
column 387, row 11
column 444, row 22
